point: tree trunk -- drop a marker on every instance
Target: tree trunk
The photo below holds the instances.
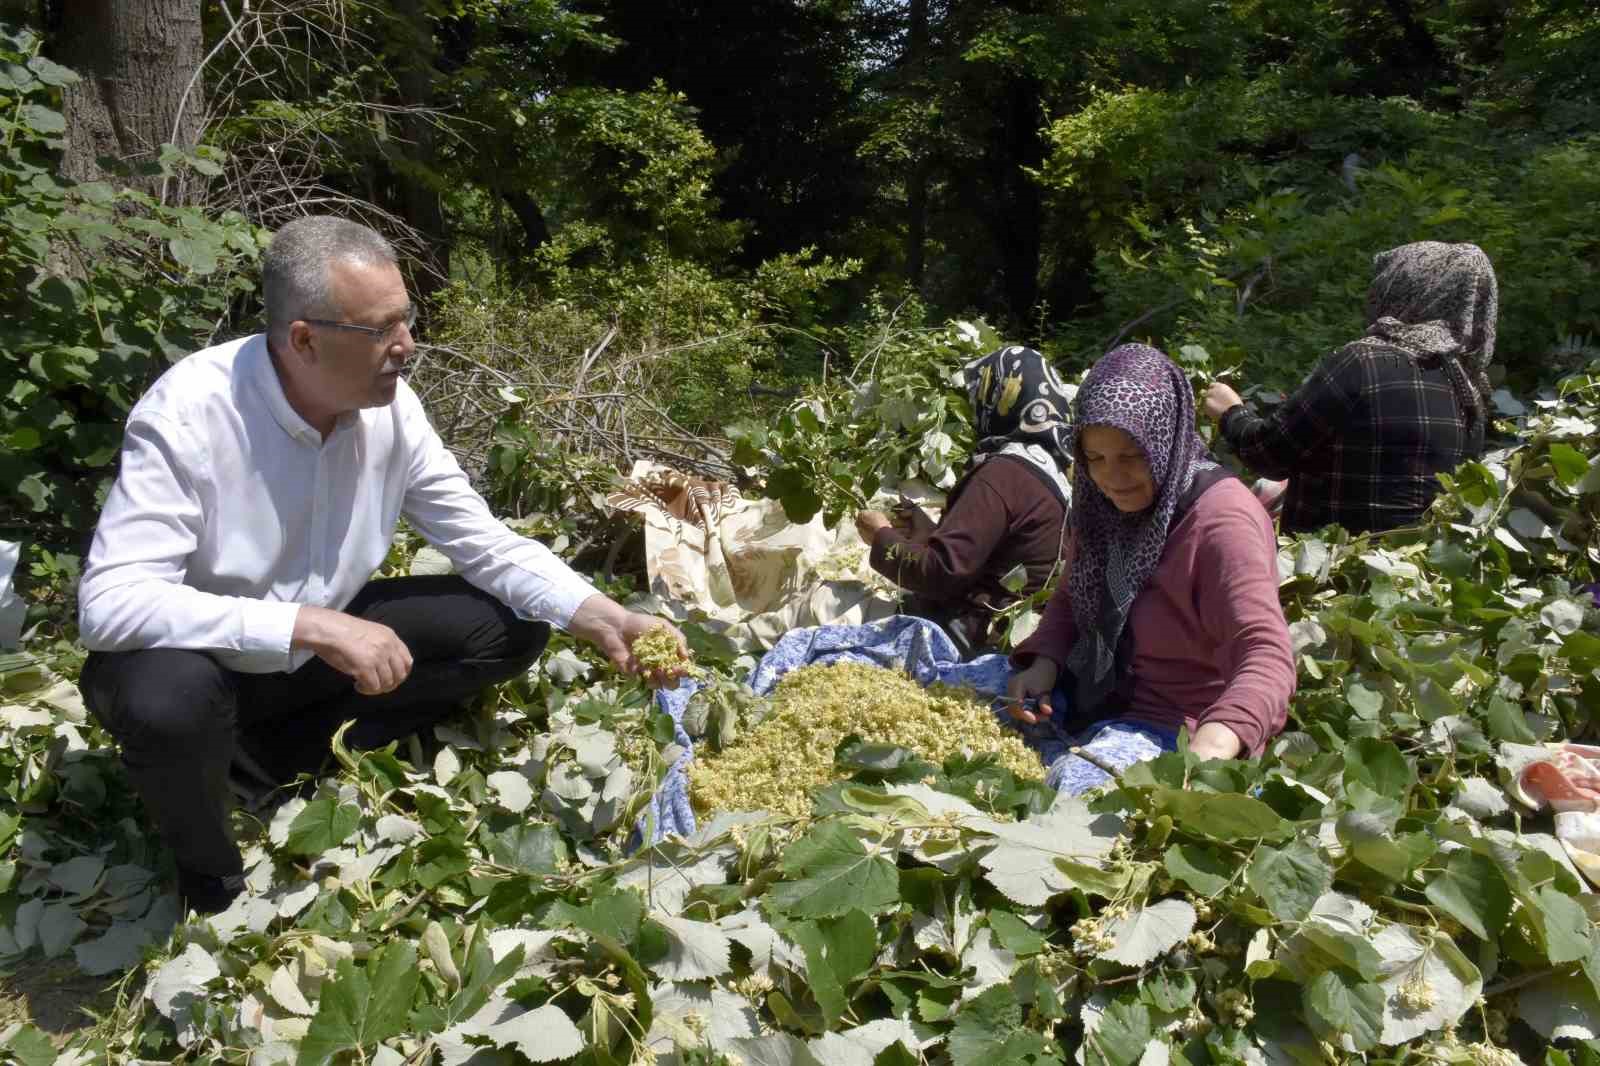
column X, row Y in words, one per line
column 417, row 199
column 917, row 179
column 137, row 59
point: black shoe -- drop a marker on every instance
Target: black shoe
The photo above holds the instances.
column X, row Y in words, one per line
column 207, row 894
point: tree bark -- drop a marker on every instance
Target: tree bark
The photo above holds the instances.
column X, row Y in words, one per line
column 917, row 179
column 418, row 201
column 137, row 59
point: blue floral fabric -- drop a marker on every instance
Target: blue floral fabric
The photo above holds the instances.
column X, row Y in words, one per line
column 926, row 654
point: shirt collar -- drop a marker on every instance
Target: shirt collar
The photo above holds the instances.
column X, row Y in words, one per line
column 271, row 388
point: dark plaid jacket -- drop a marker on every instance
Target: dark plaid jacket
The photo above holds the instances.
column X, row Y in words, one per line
column 1360, row 442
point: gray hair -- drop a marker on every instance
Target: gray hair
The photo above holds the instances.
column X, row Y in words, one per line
column 294, row 271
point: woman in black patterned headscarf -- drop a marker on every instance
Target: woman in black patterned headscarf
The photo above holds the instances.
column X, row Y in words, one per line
column 1008, row 510
column 1363, row 440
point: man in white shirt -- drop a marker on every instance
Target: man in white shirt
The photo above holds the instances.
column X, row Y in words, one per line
column 227, row 596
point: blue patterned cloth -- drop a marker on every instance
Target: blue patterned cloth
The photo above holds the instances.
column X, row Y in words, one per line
column 926, row 654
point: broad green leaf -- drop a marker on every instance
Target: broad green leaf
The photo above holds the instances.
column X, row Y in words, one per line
column 1199, row 867
column 1472, row 890
column 1565, row 925
column 1379, row 765
column 196, row 254
column 1015, row 935
column 1338, row 1004
column 363, row 1005
column 837, row 952
column 1290, row 880
column 30, row 1046
column 1429, row 984
column 529, row 847
column 322, row 824
column 1120, row 1036
column 1225, row 816
column 988, row 1032
column 1024, row 862
column 1569, row 463
column 42, row 119
column 697, row 950
column 1149, row 932
column 831, row 872
column 1170, row 991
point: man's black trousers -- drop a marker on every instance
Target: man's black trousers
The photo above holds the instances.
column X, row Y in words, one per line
column 180, row 716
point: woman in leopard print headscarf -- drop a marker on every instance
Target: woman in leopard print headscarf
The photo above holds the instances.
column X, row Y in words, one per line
column 1006, row 514
column 1363, row 440
column 1169, row 614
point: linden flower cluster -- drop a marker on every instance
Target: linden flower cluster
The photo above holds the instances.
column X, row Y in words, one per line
column 778, row 765
column 658, row 650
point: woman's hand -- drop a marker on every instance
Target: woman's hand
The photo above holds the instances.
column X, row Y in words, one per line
column 1220, row 399
column 1034, row 682
column 1215, row 741
column 869, row 522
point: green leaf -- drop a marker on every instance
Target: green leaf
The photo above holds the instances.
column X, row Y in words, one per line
column 988, row 1032
column 1379, row 765
column 831, row 873
column 1339, row 1004
column 1565, row 925
column 1199, row 867
column 1120, row 1038
column 1569, row 463
column 42, row 119
column 323, row 824
column 362, row 1006
column 51, row 73
column 1472, row 890
column 793, row 489
column 1225, row 816
column 529, row 847
column 196, row 253
column 1014, row 934
column 1168, row 990
column 838, row 952
column 1149, row 931
column 31, row 1047
column 1290, row 880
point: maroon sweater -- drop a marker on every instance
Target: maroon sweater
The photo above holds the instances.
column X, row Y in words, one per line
column 1209, row 639
column 1004, row 515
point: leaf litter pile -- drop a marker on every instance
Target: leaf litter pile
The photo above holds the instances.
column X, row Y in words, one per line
column 1367, row 892
column 784, row 761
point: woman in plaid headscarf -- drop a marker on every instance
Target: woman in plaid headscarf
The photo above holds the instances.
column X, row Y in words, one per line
column 1169, row 615
column 1363, row 440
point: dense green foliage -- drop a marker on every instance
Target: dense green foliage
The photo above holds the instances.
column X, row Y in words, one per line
column 1366, row 892
column 100, row 290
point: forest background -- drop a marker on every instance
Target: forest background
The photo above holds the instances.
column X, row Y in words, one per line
column 633, row 225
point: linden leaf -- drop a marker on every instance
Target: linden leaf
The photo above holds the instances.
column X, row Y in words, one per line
column 1290, row 879
column 833, row 873
column 695, row 950
column 544, row 1034
column 1428, row 983
column 1023, row 863
column 1149, row 932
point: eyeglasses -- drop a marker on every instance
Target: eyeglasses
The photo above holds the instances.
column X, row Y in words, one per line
column 389, row 333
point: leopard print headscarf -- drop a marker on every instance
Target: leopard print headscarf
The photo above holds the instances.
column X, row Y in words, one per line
column 1140, row 391
column 1020, row 408
column 1437, row 303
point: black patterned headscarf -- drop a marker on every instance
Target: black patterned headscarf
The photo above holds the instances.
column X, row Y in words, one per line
column 1437, row 304
column 1138, row 390
column 1020, row 408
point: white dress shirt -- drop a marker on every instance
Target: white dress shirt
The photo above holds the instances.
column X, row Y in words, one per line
column 230, row 511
